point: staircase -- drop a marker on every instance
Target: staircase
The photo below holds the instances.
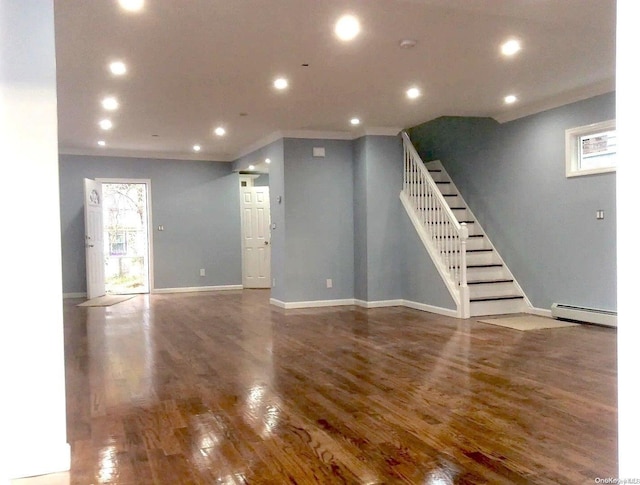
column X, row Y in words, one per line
column 477, row 278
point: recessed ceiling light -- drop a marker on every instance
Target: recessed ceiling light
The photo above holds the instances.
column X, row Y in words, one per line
column 355, row 121
column 408, row 43
column 131, row 5
column 197, row 148
column 510, row 47
column 347, row 27
column 510, row 99
column 118, row 68
column 220, row 131
column 267, row 161
column 102, row 143
column 110, row 103
column 281, row 83
column 106, row 124
column 413, row 93
column 252, row 167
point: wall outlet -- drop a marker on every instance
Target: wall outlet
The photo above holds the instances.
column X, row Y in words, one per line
column 329, row 283
column 202, row 272
column 600, row 214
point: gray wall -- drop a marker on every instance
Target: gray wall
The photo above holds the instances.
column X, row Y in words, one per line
column 196, row 202
column 542, row 223
column 384, row 213
column 344, row 221
column 360, row 260
column 319, row 214
column 421, row 282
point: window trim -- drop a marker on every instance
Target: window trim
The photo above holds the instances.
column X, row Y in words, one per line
column 572, row 148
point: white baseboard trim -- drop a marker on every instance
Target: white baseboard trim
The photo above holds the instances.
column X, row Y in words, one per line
column 365, row 304
column 378, row 303
column 292, row 305
column 278, row 303
column 26, row 463
column 541, row 312
column 74, row 295
column 192, row 289
column 431, row 309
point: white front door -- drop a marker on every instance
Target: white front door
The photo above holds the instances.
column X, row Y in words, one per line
column 256, row 249
column 93, row 241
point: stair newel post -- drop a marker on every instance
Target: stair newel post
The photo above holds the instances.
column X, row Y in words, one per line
column 464, row 288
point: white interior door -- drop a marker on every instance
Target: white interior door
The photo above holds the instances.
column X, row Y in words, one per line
column 93, row 240
column 256, row 249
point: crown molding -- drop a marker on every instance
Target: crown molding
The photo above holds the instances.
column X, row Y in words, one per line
column 562, row 99
column 316, row 135
column 381, row 131
column 107, row 152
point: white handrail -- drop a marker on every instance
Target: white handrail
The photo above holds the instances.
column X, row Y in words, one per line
column 423, row 170
column 447, row 234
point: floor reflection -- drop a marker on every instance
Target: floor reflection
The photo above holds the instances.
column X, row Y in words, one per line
column 224, row 388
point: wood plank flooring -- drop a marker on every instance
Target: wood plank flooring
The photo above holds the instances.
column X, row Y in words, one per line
column 207, row 388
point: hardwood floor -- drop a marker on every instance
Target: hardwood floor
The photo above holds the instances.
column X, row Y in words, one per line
column 221, row 387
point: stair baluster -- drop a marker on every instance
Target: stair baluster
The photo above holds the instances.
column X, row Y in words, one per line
column 447, row 234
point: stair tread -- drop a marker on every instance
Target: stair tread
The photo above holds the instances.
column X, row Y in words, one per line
column 434, row 170
column 488, row 282
column 468, row 251
column 436, row 208
column 446, row 222
column 496, row 298
column 488, row 265
column 443, row 182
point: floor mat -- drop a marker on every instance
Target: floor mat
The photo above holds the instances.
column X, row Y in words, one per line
column 528, row 322
column 106, row 300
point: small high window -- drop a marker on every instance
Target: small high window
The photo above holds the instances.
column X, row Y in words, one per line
column 591, row 149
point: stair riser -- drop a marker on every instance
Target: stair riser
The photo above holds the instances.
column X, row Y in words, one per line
column 474, row 229
column 447, row 189
column 493, row 273
column 497, row 307
column 482, row 258
column 477, row 243
column 493, row 289
column 461, row 214
column 454, row 201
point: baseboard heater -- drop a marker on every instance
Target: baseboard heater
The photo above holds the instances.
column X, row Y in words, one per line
column 582, row 314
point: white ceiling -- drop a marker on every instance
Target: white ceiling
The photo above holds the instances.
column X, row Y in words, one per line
column 197, row 64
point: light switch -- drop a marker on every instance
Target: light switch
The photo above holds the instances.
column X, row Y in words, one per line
column 600, row 214
column 160, row 228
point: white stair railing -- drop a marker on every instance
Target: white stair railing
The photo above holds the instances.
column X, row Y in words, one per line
column 448, row 236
